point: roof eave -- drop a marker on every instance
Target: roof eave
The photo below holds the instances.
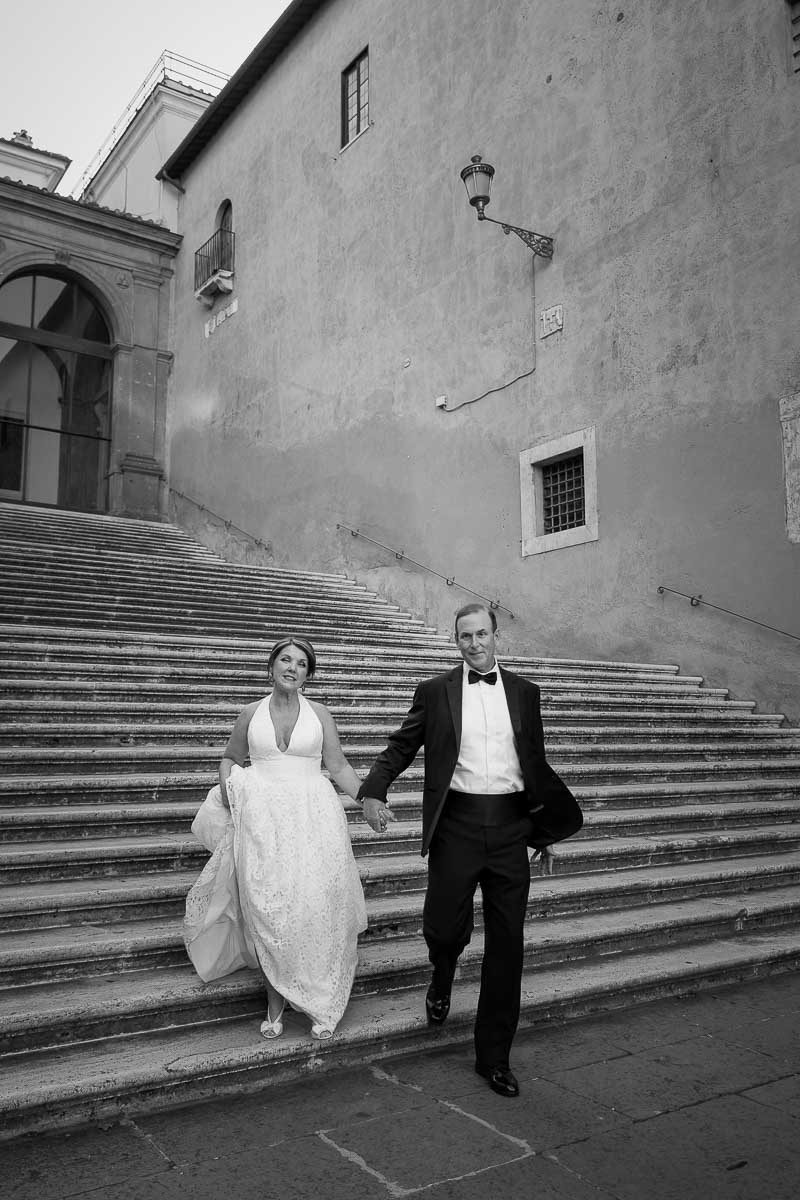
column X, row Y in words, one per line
column 252, row 70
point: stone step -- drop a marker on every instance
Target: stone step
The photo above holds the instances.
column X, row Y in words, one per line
column 129, row 569
column 342, row 665
column 340, row 673
column 111, row 1077
column 564, row 694
column 431, row 649
column 200, row 620
column 129, row 572
column 580, row 764
column 61, row 729
column 77, row 822
column 104, row 985
column 99, row 789
column 395, row 691
column 58, row 529
column 392, row 864
column 103, row 902
column 36, row 723
column 175, row 558
column 267, row 611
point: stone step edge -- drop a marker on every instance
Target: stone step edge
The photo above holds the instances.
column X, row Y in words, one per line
column 258, row 646
column 24, row 855
column 201, row 782
column 133, row 1074
column 401, row 830
column 375, row 954
column 89, row 633
column 112, row 890
column 565, row 754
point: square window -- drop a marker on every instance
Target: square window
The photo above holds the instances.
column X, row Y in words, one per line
column 355, row 98
column 558, row 493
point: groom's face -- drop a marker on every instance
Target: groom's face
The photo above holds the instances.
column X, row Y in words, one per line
column 476, row 639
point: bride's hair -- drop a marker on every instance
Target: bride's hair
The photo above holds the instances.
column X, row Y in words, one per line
column 302, row 644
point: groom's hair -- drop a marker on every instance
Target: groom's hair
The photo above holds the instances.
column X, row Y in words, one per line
column 473, row 608
column 302, row 644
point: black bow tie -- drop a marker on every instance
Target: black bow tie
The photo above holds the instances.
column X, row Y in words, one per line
column 474, row 677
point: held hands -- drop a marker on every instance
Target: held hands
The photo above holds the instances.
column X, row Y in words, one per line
column 377, row 814
column 545, row 855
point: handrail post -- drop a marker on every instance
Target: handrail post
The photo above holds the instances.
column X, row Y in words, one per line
column 450, row 580
column 697, row 600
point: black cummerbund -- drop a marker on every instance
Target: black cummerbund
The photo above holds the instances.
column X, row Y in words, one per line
column 488, row 809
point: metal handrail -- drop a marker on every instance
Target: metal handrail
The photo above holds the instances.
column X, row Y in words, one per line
column 697, row 600
column 228, row 524
column 450, row 580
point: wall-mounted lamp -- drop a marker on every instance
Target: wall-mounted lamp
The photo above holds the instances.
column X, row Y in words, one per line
column 478, row 182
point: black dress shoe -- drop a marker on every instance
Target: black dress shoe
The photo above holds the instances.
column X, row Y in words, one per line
column 437, row 1006
column 501, row 1080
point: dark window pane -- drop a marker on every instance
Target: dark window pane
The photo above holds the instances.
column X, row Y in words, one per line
column 12, row 439
column 64, row 307
column 563, row 495
column 16, row 299
column 355, row 98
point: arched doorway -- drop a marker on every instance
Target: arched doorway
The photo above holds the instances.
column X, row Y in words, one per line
column 55, row 393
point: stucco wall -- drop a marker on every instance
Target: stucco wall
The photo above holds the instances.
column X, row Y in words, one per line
column 658, row 145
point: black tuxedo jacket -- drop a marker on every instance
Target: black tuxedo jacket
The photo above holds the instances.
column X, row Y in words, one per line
column 434, row 720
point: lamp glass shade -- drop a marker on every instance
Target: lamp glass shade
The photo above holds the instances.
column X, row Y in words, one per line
column 478, row 181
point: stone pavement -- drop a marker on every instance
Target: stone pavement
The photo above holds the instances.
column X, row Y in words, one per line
column 693, row 1098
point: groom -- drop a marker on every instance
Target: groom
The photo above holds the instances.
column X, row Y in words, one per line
column 489, row 793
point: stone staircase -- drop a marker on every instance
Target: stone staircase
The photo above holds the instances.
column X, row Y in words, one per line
column 127, row 650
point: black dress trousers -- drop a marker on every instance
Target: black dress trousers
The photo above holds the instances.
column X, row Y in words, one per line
column 481, row 842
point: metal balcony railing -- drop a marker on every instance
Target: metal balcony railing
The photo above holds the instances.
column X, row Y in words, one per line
column 216, row 255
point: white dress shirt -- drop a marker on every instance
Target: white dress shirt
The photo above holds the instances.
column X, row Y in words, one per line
column 487, row 758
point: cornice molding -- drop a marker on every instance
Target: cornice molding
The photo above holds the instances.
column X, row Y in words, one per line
column 63, row 210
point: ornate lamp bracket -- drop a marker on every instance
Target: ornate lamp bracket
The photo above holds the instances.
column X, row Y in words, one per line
column 539, row 243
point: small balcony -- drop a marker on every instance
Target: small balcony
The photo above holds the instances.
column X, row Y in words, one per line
column 213, row 266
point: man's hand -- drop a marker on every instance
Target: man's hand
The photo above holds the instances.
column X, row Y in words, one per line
column 377, row 814
column 545, row 855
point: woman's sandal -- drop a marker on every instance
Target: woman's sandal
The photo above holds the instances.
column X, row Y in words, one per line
column 321, row 1033
column 273, row 1029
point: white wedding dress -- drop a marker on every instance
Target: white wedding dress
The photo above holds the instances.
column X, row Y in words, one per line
column 281, row 888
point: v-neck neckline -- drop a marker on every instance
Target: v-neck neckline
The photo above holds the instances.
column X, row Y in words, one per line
column 291, row 731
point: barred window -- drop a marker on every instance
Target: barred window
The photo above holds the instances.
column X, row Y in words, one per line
column 794, row 33
column 558, row 492
column 562, row 494
column 355, row 98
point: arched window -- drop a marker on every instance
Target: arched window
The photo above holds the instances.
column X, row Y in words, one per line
column 55, row 393
column 225, row 232
column 225, row 216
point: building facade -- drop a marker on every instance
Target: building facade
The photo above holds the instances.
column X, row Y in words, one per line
column 379, row 360
column 84, row 353
column 124, row 174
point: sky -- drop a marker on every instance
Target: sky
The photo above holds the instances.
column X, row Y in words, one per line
column 69, row 71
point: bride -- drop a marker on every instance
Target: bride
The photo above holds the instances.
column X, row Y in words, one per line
column 279, row 838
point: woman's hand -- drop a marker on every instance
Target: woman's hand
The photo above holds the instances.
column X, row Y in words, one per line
column 545, row 858
column 377, row 814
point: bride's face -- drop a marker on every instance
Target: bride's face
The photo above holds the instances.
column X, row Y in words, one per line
column 290, row 668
